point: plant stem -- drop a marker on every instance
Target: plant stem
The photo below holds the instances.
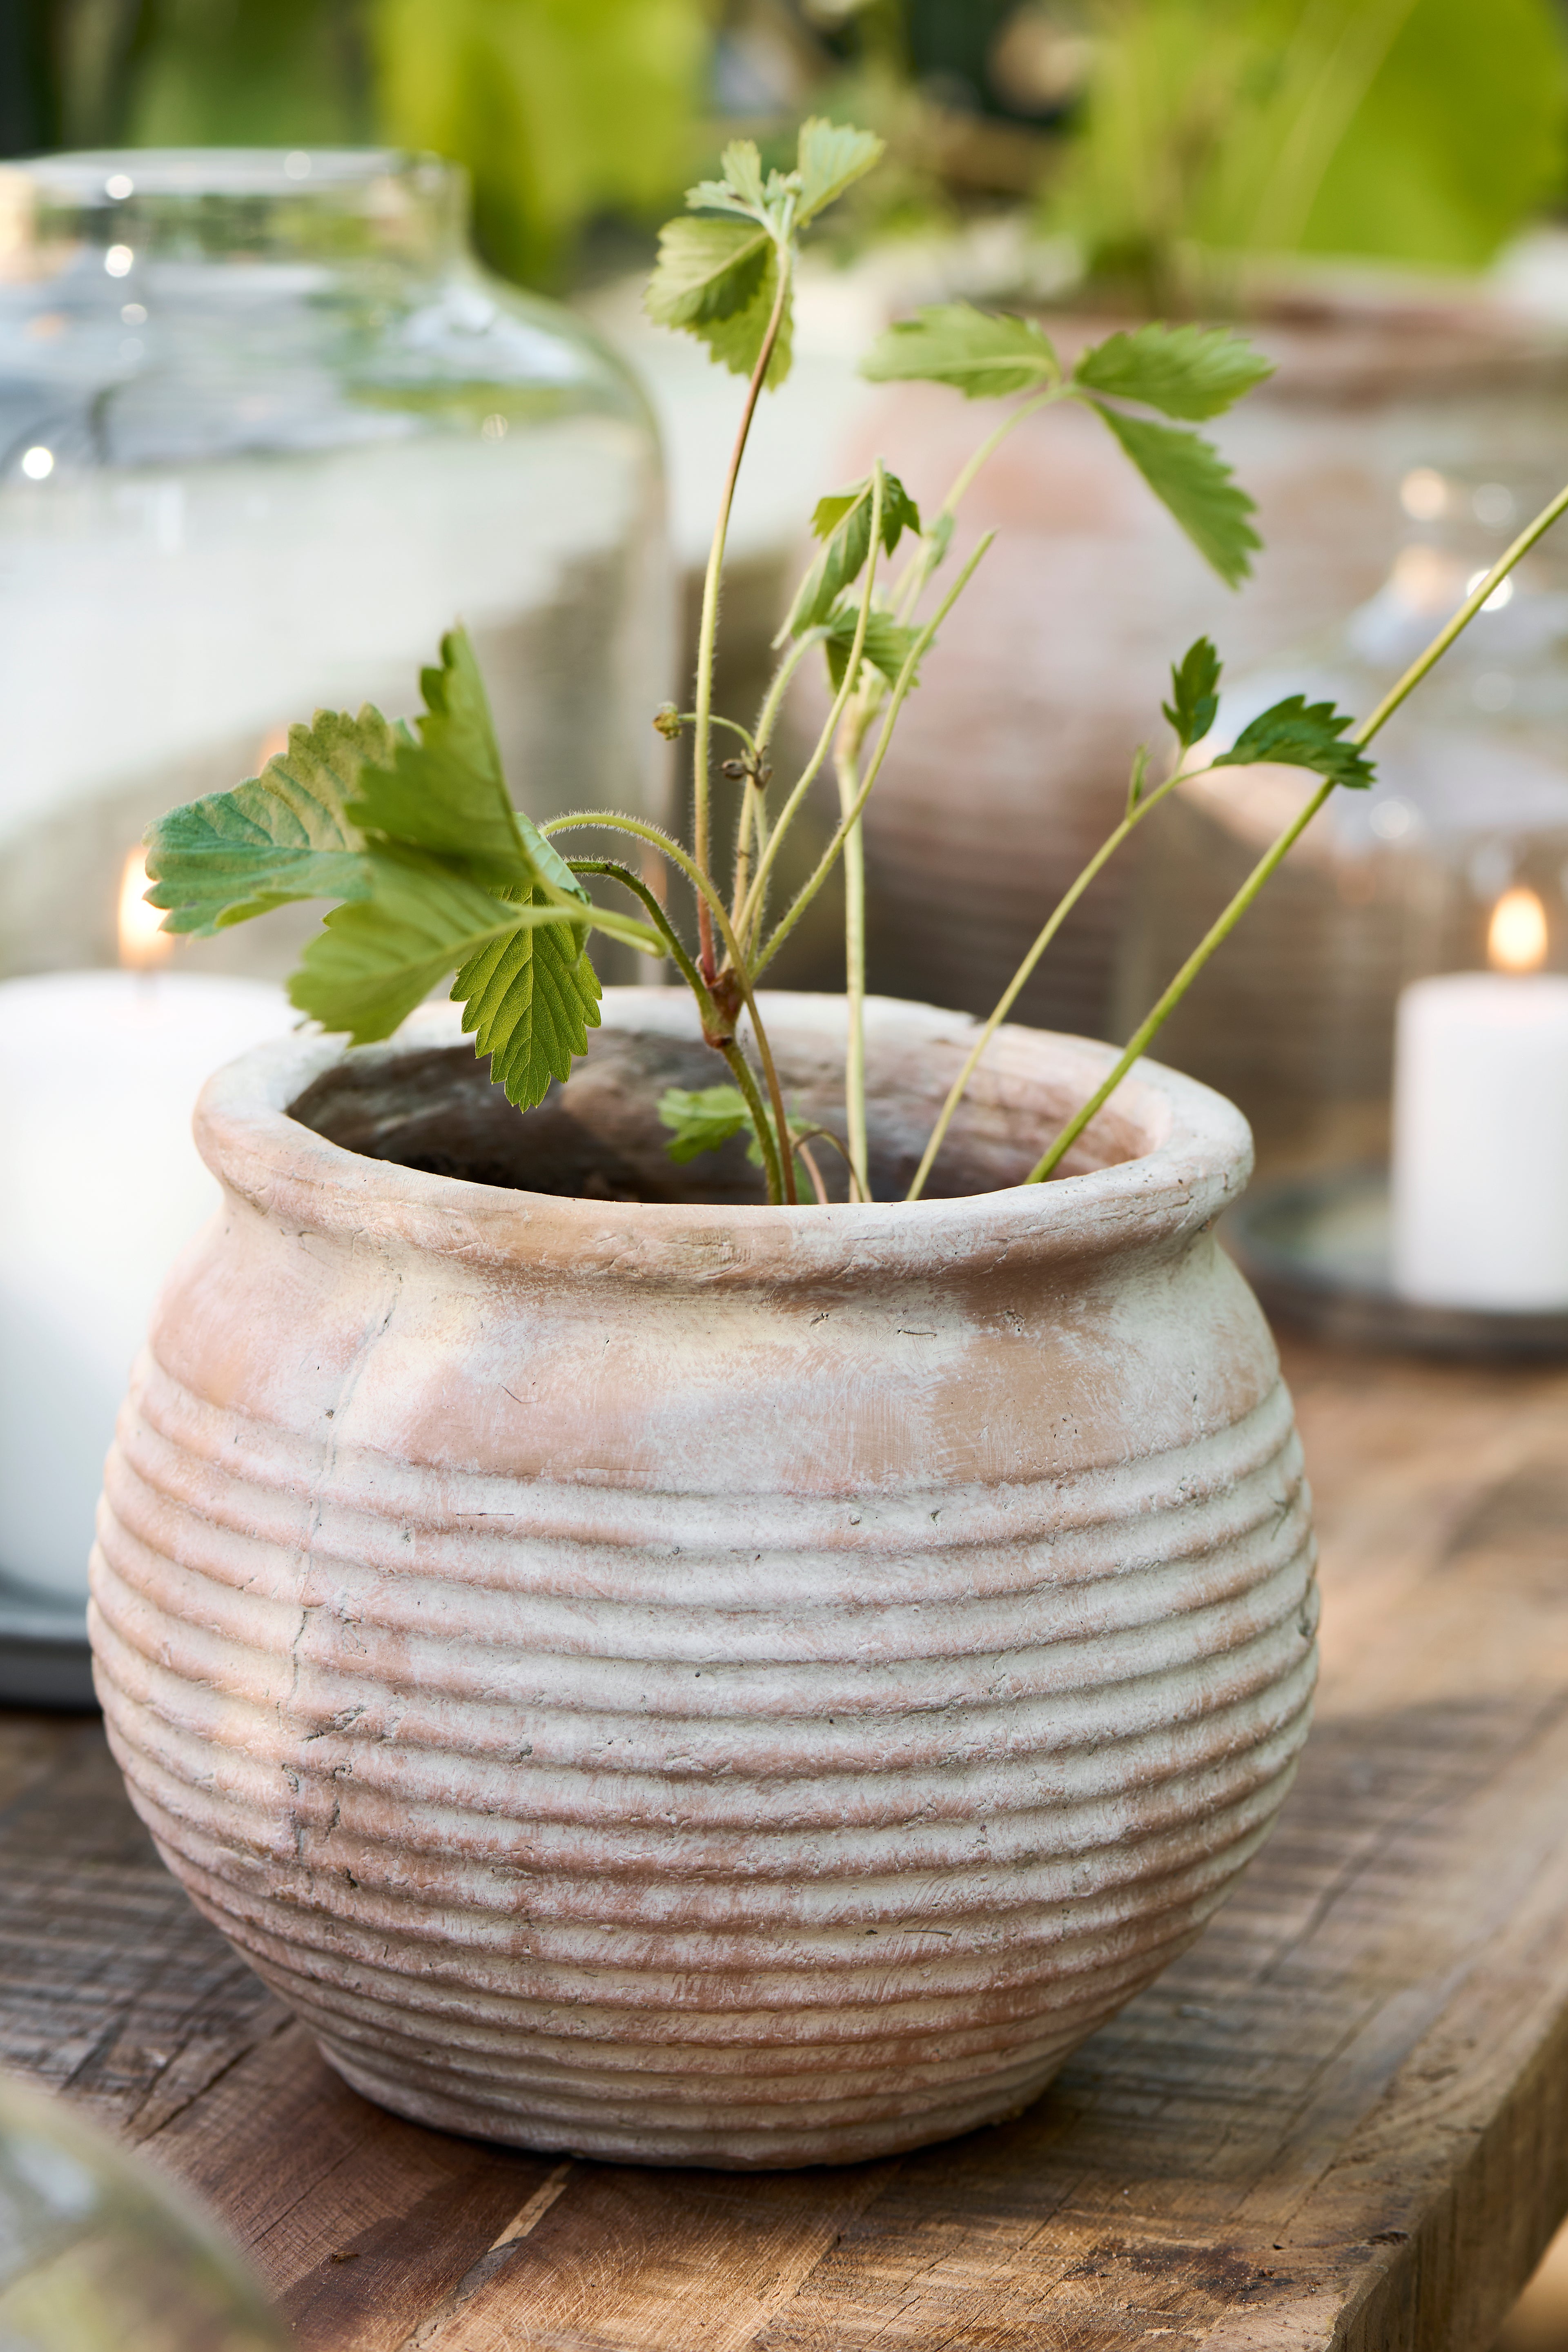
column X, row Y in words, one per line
column 797, row 652
column 846, row 767
column 741, row 1071
column 853, row 962
column 965, row 479
column 824, row 1134
column 1226, row 921
column 751, row 911
column 709, row 627
column 900, row 692
column 808, row 1161
column 616, row 872
column 911, row 586
column 733, row 1054
column 688, row 718
column 1009, row 996
column 1155, row 1020
column 613, row 821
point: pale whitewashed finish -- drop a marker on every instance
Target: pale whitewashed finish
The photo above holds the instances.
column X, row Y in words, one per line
column 709, row 1685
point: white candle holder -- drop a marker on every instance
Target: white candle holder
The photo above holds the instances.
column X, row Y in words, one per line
column 1319, row 1252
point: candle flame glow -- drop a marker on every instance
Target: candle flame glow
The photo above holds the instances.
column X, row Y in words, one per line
column 1516, row 939
column 143, row 945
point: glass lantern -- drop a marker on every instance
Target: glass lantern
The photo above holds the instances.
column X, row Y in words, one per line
column 265, row 431
column 97, row 2254
column 1458, row 857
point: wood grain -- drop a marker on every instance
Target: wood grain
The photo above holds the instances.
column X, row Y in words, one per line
column 1341, row 2121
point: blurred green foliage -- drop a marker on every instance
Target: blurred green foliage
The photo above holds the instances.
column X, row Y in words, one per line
column 1185, row 144
column 561, row 108
column 240, row 73
column 1217, row 134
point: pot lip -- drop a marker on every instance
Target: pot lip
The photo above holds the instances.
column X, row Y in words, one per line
column 1197, row 1163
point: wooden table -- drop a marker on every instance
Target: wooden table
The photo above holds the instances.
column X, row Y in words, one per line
column 1342, row 2120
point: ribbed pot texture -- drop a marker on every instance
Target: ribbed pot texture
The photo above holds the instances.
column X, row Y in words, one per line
column 705, row 1684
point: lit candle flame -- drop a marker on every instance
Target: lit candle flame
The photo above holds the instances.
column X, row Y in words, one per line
column 143, row 945
column 1516, row 940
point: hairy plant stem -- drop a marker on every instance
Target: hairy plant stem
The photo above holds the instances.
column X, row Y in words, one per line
column 916, row 575
column 739, row 1065
column 1226, row 922
column 826, row 864
column 1009, row 996
column 964, row 480
column 671, row 944
column 847, row 770
column 751, row 912
column 707, row 629
column 613, row 821
column 795, row 653
column 854, row 960
column 781, row 1188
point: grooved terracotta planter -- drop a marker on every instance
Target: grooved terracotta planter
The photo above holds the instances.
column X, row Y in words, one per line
column 704, row 1683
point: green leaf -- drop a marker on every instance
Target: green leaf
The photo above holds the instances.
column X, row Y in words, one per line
column 707, row 269
column 741, row 188
column 1191, row 372
column 701, row 1121
column 982, row 353
column 844, row 521
column 887, row 646
column 374, row 959
column 281, row 836
column 899, row 512
column 718, row 280
column 530, row 998
column 1194, row 481
column 1194, row 696
column 829, row 158
column 1297, row 733
column 446, row 793
column 736, row 342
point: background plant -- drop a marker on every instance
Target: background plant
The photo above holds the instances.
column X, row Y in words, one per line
column 1214, row 135
column 1178, row 140
column 412, row 831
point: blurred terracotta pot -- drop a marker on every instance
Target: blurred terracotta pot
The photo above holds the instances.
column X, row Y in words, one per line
column 1012, row 767
column 693, row 1682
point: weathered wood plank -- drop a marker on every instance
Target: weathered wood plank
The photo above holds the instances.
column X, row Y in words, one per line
column 1342, row 2120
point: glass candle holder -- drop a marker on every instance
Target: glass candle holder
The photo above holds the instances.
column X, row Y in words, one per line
column 1295, row 1017
column 265, row 431
column 96, row 2251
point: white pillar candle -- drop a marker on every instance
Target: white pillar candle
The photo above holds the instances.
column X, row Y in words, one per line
column 1480, row 1130
column 101, row 1185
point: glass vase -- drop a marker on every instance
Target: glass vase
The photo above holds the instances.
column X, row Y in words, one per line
column 265, row 431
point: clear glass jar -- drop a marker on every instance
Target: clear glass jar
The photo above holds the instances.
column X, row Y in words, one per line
column 1294, row 1018
column 266, row 430
column 96, row 2250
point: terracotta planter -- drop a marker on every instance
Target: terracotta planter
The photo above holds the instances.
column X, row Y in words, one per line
column 704, row 1683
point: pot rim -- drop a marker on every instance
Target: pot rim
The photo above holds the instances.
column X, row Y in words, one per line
column 1196, row 1161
